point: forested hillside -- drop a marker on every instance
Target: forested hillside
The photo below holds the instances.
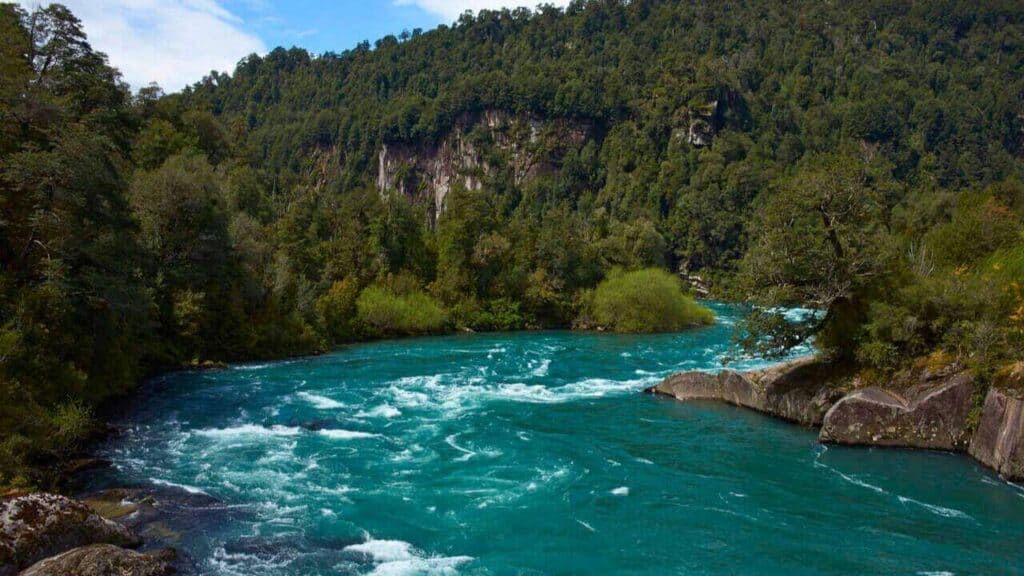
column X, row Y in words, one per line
column 863, row 159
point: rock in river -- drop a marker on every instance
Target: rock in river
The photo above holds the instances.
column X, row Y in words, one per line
column 37, row 526
column 800, row 391
column 105, row 560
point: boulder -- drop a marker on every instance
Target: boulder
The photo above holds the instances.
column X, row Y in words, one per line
column 932, row 414
column 999, row 440
column 105, row 560
column 37, row 526
column 800, row 391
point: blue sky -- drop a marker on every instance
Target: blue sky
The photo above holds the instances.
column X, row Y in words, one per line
column 176, row 42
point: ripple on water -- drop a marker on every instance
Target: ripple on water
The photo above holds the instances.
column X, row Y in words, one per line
column 512, row 453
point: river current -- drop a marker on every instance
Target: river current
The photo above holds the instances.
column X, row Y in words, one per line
column 534, row 453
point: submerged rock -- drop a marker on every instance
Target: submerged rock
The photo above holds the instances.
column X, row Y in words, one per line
column 105, row 560
column 932, row 415
column 36, row 526
column 999, row 439
column 800, row 391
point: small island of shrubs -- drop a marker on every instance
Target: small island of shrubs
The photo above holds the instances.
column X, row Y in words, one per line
column 645, row 301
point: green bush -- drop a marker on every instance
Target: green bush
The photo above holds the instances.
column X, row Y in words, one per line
column 336, row 309
column 499, row 314
column 649, row 300
column 381, row 313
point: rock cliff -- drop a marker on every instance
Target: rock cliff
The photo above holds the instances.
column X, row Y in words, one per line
column 999, row 440
column 427, row 171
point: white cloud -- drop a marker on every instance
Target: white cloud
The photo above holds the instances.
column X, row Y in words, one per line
column 452, row 9
column 171, row 42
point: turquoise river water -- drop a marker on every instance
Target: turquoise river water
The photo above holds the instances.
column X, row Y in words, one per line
column 534, row 453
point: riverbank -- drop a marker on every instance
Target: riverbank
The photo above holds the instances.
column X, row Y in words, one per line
column 933, row 408
column 458, row 452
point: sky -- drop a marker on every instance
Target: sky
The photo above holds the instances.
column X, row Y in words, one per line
column 176, row 42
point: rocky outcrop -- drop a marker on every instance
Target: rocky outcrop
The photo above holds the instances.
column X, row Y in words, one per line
column 105, row 560
column 426, row 171
column 929, row 407
column 933, row 415
column 37, row 526
column 800, row 392
column 999, row 439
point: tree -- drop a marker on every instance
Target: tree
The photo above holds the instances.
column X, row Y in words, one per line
column 821, row 244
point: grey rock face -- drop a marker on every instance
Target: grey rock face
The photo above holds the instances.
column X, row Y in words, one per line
column 999, row 440
column 801, row 391
column 931, row 415
column 104, row 560
column 37, row 526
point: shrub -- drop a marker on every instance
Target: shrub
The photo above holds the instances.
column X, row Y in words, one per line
column 649, row 300
column 336, row 310
column 499, row 314
column 381, row 313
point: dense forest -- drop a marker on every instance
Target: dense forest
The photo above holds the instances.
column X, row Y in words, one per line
column 863, row 160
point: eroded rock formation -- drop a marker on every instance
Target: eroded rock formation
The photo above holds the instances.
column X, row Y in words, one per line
column 37, row 526
column 933, row 411
column 105, row 560
column 999, row 439
column 799, row 392
column 932, row 414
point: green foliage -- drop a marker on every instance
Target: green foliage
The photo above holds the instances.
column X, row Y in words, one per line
column 337, row 310
column 822, row 244
column 871, row 172
column 381, row 313
column 650, row 300
column 979, row 227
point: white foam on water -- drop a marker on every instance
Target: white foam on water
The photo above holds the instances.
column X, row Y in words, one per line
column 850, row 479
column 399, row 558
column 585, row 525
column 252, row 366
column 541, row 370
column 621, row 491
column 383, row 411
column 383, row 550
column 439, row 566
column 185, row 487
column 248, row 431
column 466, row 453
column 938, row 510
column 338, row 434
column 321, row 402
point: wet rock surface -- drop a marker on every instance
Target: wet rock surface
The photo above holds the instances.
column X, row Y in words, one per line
column 930, row 408
column 931, row 415
column 37, row 526
column 999, row 439
column 105, row 560
column 800, row 391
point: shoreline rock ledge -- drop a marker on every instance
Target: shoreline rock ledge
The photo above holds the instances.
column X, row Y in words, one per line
column 801, row 391
column 932, row 410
